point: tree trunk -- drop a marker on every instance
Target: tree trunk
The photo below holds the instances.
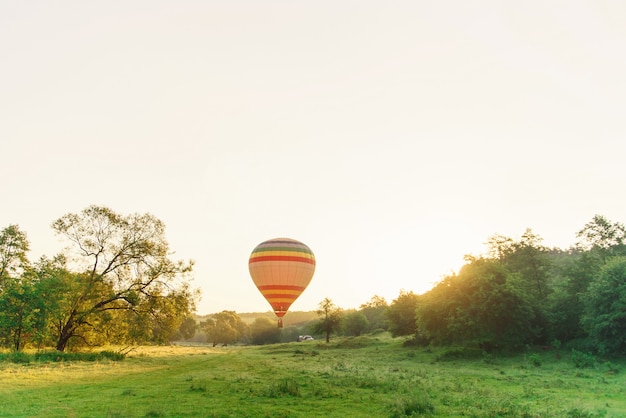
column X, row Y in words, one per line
column 66, row 333
column 17, row 339
column 63, row 339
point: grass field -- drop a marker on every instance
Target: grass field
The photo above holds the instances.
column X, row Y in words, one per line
column 372, row 376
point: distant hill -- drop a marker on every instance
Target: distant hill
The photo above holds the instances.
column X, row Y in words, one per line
column 290, row 319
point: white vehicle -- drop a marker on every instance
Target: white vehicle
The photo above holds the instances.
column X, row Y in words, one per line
column 305, row 338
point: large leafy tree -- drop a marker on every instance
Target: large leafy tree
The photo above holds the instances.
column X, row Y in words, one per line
column 224, row 328
column 481, row 306
column 122, row 267
column 355, row 323
column 187, row 328
column 604, row 317
column 401, row 314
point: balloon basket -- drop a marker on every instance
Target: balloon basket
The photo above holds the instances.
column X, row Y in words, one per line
column 280, row 322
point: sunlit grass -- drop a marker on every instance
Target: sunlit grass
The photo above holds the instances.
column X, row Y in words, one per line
column 367, row 376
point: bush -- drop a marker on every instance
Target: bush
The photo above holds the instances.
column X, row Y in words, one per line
column 18, row 357
column 582, row 360
column 57, row 356
column 535, row 360
column 611, row 368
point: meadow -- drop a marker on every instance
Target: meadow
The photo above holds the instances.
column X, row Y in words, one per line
column 368, row 376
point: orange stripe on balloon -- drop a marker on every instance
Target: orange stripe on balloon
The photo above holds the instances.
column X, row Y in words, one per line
column 281, row 258
column 275, row 296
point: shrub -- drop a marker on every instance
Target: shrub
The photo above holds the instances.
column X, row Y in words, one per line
column 16, row 357
column 57, row 356
column 535, row 360
column 582, row 360
column 611, row 368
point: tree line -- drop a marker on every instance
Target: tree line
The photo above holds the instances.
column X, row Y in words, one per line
column 519, row 293
column 523, row 293
column 116, row 284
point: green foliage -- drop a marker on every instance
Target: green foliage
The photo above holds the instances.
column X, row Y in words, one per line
column 355, row 323
column 375, row 310
column 611, row 368
column 56, row 356
column 224, row 328
column 14, row 247
column 401, row 314
column 16, row 357
column 605, row 307
column 123, row 288
column 264, row 331
column 534, row 359
column 330, row 318
column 582, row 360
column 187, row 329
column 459, row 353
column 125, row 268
column 480, row 307
column 527, row 258
column 19, row 313
column 602, row 234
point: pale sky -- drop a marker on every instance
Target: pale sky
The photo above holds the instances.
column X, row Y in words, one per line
column 392, row 137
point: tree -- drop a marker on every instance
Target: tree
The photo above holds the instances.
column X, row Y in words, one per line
column 375, row 311
column 401, row 314
column 481, row 306
column 330, row 318
column 224, row 328
column 14, row 247
column 18, row 313
column 605, row 308
column 527, row 257
column 598, row 241
column 603, row 236
column 264, row 331
column 123, row 265
column 499, row 247
column 355, row 323
column 18, row 310
column 187, row 329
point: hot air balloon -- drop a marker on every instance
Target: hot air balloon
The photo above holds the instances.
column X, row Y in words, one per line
column 281, row 269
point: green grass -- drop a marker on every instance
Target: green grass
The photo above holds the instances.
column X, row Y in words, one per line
column 370, row 376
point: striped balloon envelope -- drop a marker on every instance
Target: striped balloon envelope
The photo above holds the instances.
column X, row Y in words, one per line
column 281, row 269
